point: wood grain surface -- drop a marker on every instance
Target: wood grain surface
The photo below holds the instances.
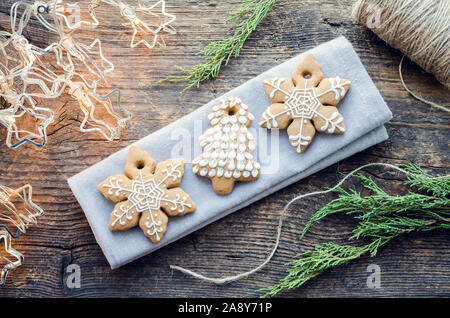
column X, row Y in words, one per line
column 413, row 265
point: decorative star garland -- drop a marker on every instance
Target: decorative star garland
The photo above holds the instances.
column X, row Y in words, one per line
column 10, row 264
column 18, row 217
column 139, row 25
column 24, row 76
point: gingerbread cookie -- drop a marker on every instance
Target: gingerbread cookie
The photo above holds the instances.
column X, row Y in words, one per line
column 305, row 103
column 146, row 194
column 227, row 147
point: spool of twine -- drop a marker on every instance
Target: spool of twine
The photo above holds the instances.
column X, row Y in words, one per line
column 419, row 29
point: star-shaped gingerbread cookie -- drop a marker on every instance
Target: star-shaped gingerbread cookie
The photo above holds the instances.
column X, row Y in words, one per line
column 305, row 103
column 147, row 194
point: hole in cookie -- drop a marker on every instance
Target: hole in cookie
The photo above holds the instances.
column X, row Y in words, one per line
column 140, row 165
column 233, row 111
column 306, row 75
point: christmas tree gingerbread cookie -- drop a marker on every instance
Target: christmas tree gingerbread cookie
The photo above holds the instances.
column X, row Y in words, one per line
column 227, row 147
column 147, row 194
column 305, row 103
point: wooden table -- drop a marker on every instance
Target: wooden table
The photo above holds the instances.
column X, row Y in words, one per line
column 413, row 265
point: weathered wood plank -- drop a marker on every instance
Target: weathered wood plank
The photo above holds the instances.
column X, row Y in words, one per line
column 414, row 265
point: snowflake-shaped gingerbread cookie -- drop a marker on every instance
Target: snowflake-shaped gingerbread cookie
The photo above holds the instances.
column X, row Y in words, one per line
column 146, row 193
column 305, row 103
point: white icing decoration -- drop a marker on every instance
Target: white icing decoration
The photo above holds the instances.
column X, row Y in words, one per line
column 337, row 87
column 242, row 120
column 269, row 119
column 332, row 123
column 298, row 141
column 147, row 195
column 228, row 145
column 303, row 103
column 275, row 83
column 213, row 163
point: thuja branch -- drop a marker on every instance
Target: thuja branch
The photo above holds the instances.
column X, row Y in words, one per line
column 434, row 199
column 381, row 216
column 219, row 53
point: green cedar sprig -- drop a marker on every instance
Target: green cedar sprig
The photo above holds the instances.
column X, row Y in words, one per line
column 381, row 217
column 219, row 53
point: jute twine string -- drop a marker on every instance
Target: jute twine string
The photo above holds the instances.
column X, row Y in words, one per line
column 227, row 279
column 432, row 104
column 419, row 29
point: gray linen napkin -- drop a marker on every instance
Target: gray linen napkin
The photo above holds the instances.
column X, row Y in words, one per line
column 364, row 113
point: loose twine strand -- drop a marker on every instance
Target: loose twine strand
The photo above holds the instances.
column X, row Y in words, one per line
column 420, row 29
column 232, row 278
column 432, row 104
